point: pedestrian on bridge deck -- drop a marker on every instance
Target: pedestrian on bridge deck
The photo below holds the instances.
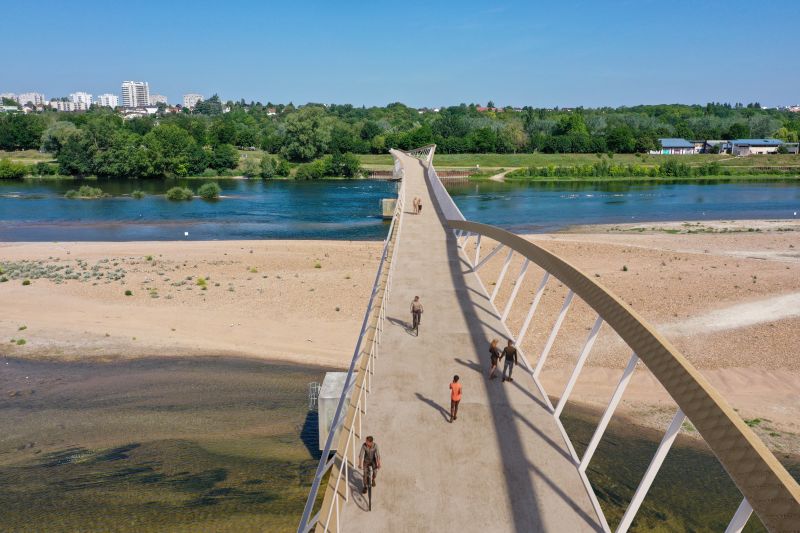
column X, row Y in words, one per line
column 370, row 461
column 494, row 353
column 416, row 314
column 455, row 398
column 510, row 354
column 414, row 205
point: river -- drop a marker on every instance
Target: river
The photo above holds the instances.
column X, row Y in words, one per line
column 36, row 210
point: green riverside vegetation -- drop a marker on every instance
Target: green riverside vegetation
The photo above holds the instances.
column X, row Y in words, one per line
column 85, row 192
column 315, row 141
column 178, row 194
column 209, row 191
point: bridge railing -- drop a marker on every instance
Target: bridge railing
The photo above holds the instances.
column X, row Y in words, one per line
column 424, row 153
column 765, row 484
column 352, row 407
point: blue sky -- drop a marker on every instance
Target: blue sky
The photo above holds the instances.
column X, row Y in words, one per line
column 564, row 53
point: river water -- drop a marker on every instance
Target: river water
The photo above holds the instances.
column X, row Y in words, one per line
column 36, row 210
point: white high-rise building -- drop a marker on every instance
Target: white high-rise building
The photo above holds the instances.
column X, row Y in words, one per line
column 108, row 100
column 135, row 94
column 67, row 107
column 82, row 100
column 10, row 96
column 34, row 98
column 156, row 99
column 190, row 100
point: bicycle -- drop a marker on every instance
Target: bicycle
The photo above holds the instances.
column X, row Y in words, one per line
column 369, row 475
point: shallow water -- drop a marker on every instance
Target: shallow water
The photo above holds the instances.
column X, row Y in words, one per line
column 536, row 207
column 692, row 492
column 194, row 444
column 35, row 210
column 224, row 444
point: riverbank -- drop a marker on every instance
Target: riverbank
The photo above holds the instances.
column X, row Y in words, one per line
column 727, row 298
column 155, row 444
column 721, row 178
column 298, row 301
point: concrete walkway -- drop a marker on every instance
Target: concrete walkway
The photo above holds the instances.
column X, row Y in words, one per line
column 502, row 465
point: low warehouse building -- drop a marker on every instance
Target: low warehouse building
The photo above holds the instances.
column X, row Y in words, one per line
column 676, row 147
column 755, row 146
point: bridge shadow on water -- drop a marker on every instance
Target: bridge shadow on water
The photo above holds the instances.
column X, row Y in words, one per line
column 519, row 471
column 309, row 434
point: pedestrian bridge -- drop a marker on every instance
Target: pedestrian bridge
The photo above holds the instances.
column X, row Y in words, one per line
column 506, row 463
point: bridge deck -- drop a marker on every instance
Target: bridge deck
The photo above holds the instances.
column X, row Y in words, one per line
column 502, row 465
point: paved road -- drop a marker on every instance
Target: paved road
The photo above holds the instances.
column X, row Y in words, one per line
column 503, row 464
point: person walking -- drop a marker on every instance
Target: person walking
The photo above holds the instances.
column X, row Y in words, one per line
column 510, row 355
column 455, row 398
column 416, row 205
column 416, row 314
column 369, row 459
column 419, row 205
column 494, row 353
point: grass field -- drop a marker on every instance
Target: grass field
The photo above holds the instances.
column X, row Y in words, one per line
column 740, row 177
column 30, row 157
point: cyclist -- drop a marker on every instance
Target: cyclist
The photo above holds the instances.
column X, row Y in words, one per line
column 370, row 461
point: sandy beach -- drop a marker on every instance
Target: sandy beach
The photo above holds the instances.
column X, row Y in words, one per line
column 727, row 294
column 298, row 301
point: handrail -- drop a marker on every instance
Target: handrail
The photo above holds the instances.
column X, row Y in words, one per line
column 765, row 484
column 372, row 322
column 424, row 153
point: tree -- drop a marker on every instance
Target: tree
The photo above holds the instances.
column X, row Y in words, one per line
column 223, row 130
column 211, row 107
column 762, row 126
column 315, row 170
column 175, row 152
column 343, row 139
column 482, row 140
column 346, row 165
column 787, row 135
column 21, row 132
column 304, row 136
column 738, row 131
column 572, row 124
column 621, row 140
column 127, row 157
column 267, row 167
column 56, row 135
column 76, row 156
column 224, row 156
column 369, row 130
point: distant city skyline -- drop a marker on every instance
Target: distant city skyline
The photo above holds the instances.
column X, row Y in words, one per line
column 514, row 53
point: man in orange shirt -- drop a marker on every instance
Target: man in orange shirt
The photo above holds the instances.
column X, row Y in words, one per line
column 455, row 398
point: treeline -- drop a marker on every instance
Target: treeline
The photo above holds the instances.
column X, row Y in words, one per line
column 100, row 142
column 671, row 168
